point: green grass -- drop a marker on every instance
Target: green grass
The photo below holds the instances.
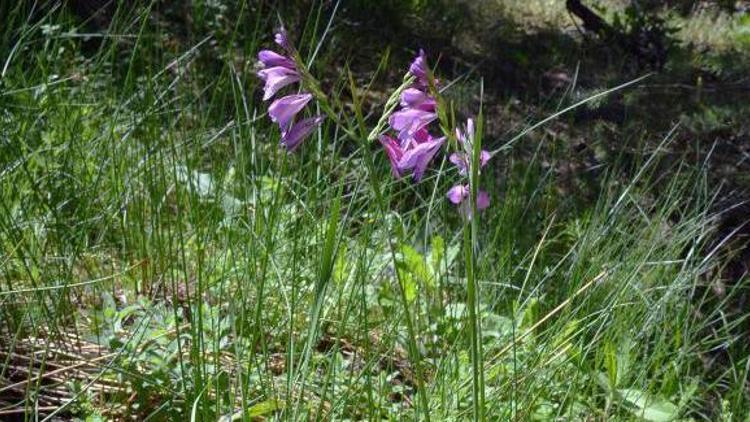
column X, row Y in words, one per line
column 169, row 260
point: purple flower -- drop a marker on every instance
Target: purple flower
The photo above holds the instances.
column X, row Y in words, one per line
column 282, row 39
column 276, row 78
column 410, row 120
column 419, row 69
column 418, row 106
column 466, row 136
column 415, row 147
column 462, row 159
column 459, row 194
column 270, row 58
column 278, row 71
column 418, row 99
column 419, row 155
column 394, row 152
column 283, row 110
column 421, row 136
column 293, row 137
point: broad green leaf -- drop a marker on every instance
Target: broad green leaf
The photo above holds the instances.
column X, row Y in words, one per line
column 263, row 408
column 415, row 264
column 410, row 286
column 255, row 411
column 341, row 270
column 530, row 314
column 648, row 407
column 437, row 254
column 623, row 359
column 610, row 363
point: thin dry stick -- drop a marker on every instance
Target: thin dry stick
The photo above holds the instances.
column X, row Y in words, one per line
column 23, row 410
column 57, row 371
column 74, row 366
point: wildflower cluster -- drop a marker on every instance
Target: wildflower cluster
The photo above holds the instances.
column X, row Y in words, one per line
column 415, row 146
column 279, row 71
column 410, row 149
column 460, row 193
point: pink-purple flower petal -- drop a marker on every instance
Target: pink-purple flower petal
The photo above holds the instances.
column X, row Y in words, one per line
column 416, row 98
column 282, row 39
column 457, row 194
column 283, row 110
column 276, row 78
column 483, row 200
column 394, row 152
column 421, row 136
column 270, row 58
column 484, row 157
column 459, row 159
column 419, row 156
column 462, row 160
column 418, row 68
column 293, row 138
column 409, row 120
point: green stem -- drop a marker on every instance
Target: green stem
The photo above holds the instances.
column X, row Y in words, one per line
column 412, row 340
column 471, row 237
column 474, row 327
column 359, row 134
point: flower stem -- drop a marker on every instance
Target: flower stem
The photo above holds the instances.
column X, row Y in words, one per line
column 359, row 134
column 471, row 235
column 474, row 325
